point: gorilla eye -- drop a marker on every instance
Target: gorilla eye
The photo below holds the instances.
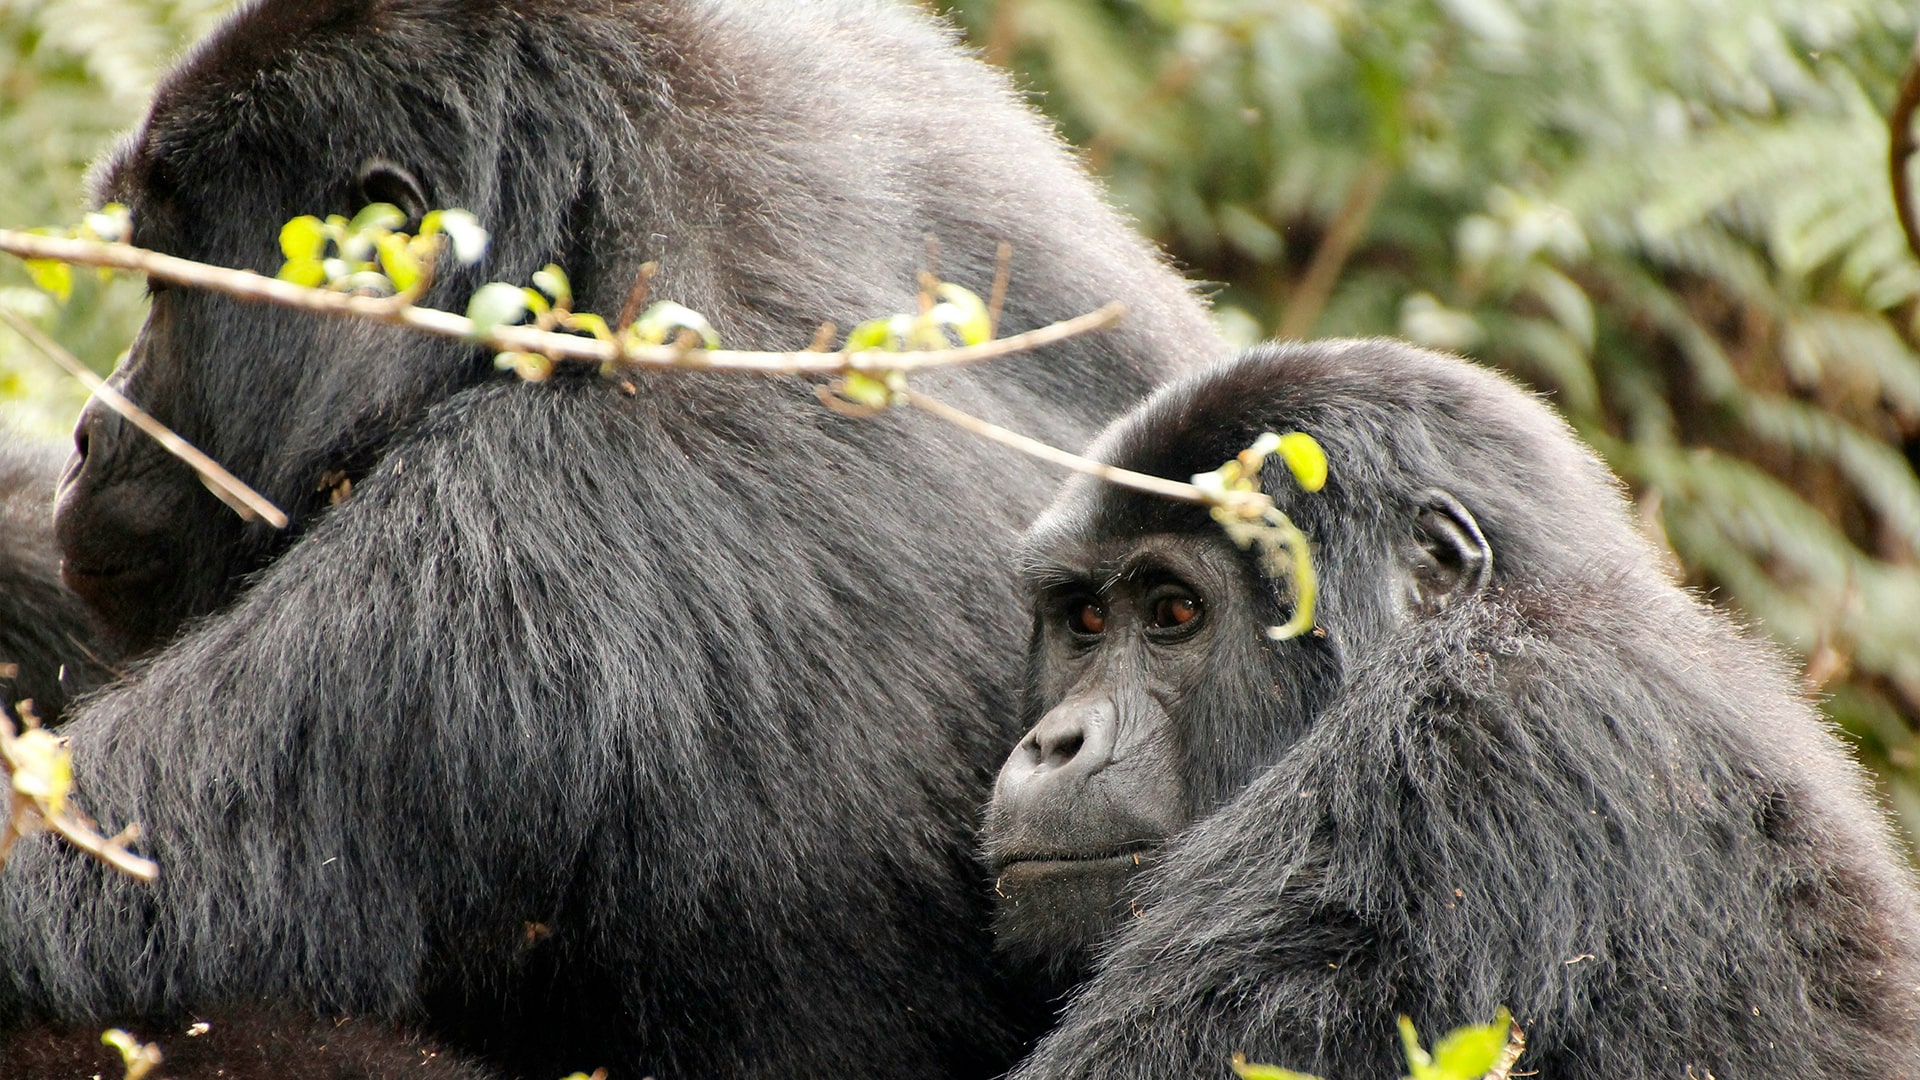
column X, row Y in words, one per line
column 1175, row 612
column 1088, row 618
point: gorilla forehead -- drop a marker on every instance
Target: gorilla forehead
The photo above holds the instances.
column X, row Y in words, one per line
column 1394, row 421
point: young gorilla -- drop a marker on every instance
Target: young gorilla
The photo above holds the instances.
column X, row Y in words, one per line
column 50, row 647
column 1516, row 765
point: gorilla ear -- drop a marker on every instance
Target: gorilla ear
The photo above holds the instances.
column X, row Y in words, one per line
column 1451, row 558
column 382, row 181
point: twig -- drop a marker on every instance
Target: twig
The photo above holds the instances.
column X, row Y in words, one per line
column 227, row 487
column 1509, row 1054
column 997, row 299
column 109, row 851
column 247, row 285
column 636, row 296
column 1127, row 478
column 1901, row 146
column 1309, row 299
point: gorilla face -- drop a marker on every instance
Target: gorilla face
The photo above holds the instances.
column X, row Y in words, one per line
column 1123, row 637
column 1159, row 696
column 143, row 542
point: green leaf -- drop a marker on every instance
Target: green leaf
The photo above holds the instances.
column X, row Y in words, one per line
column 1467, row 1053
column 496, row 304
column 1304, row 458
column 1418, row 1061
column 112, row 223
column 863, row 389
column 309, row 272
column 303, row 238
column 663, row 322
column 377, row 217
column 591, row 323
column 463, row 231
column 965, row 312
column 398, row 260
column 553, row 281
column 53, row 276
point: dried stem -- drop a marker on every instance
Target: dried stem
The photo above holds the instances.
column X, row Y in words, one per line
column 1309, row 299
column 1127, row 478
column 245, row 501
column 997, row 299
column 247, row 285
column 1509, row 1055
column 112, row 851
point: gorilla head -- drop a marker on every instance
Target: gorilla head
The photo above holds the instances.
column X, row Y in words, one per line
column 1154, row 693
column 1513, row 765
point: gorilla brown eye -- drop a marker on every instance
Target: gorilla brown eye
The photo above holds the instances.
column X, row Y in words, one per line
column 1173, row 612
column 1088, row 619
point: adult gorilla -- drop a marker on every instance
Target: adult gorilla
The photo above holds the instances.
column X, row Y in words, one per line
column 50, row 648
column 1514, row 766
column 594, row 728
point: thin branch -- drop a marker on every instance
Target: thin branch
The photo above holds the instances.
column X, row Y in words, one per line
column 636, row 296
column 997, row 299
column 229, row 488
column 112, row 851
column 247, row 285
column 1127, row 478
column 1900, row 149
column 1309, row 299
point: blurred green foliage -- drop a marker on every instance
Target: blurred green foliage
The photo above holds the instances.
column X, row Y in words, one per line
column 1671, row 215
column 73, row 75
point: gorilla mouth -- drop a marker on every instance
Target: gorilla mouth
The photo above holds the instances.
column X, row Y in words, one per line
column 1136, row 854
column 100, row 586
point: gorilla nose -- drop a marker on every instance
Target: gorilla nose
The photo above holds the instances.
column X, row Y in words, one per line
column 98, row 427
column 1072, row 742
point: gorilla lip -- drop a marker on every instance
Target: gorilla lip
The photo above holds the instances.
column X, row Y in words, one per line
column 1101, row 858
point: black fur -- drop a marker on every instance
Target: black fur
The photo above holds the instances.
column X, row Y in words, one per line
column 1579, row 793
column 641, row 729
column 50, row 647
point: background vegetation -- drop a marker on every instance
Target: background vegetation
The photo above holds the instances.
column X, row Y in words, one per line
column 1670, row 215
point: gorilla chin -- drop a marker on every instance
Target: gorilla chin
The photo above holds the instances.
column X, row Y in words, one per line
column 1052, row 911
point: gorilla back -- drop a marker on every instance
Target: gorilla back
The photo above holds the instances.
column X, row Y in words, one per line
column 596, row 728
column 1514, row 765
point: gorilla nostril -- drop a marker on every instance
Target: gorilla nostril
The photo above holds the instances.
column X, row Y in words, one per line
column 1060, row 750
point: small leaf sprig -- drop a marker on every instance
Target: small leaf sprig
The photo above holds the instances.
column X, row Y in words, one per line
column 38, row 769
column 111, row 224
column 369, row 253
column 550, row 301
column 1257, row 524
column 140, row 1058
column 1475, row 1052
column 949, row 315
